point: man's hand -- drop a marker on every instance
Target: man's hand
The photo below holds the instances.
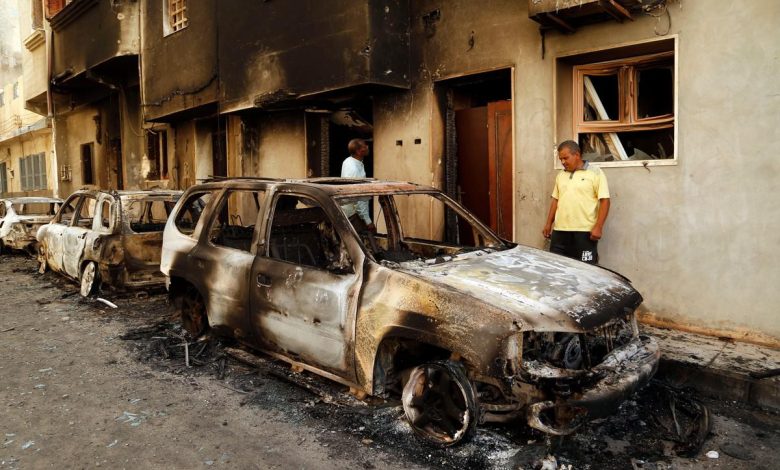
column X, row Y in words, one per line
column 547, row 231
column 371, row 227
column 595, row 234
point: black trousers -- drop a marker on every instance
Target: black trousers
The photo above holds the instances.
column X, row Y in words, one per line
column 576, row 245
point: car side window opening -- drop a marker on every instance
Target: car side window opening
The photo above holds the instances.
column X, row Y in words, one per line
column 67, row 211
column 146, row 215
column 302, row 233
column 2, row 210
column 35, row 208
column 421, row 220
column 104, row 210
column 86, row 213
column 234, row 225
column 191, row 211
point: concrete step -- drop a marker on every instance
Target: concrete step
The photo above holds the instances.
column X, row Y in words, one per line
column 717, row 367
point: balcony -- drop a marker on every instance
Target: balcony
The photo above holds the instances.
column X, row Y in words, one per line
column 94, row 43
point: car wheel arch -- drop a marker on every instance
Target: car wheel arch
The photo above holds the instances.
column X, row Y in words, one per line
column 404, row 348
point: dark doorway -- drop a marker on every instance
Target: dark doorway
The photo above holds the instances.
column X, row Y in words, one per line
column 328, row 133
column 219, row 147
column 115, row 164
column 87, row 165
column 479, row 149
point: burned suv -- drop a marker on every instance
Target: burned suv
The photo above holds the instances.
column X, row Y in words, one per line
column 20, row 218
column 432, row 306
column 108, row 237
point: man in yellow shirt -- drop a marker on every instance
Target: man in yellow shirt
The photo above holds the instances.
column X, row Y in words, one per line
column 579, row 207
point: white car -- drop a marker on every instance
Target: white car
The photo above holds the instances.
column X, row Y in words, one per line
column 20, row 218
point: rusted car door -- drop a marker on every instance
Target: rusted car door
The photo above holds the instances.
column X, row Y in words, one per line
column 225, row 256
column 305, row 288
column 74, row 236
column 54, row 232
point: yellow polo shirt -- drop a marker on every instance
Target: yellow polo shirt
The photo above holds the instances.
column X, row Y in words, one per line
column 578, row 195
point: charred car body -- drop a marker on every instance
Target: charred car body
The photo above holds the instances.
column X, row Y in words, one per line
column 108, row 237
column 466, row 331
column 20, row 218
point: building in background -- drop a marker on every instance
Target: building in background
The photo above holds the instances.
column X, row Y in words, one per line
column 676, row 100
column 26, row 160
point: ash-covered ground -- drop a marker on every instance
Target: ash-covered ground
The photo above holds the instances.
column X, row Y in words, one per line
column 659, row 427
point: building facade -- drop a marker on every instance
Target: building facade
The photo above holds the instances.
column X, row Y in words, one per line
column 466, row 96
column 26, row 157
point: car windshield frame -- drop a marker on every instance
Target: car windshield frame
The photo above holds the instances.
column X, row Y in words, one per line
column 492, row 240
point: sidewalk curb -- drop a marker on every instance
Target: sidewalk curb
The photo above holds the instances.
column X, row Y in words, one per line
column 721, row 384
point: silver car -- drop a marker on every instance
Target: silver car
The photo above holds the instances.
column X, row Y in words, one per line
column 20, row 218
column 108, row 237
column 430, row 306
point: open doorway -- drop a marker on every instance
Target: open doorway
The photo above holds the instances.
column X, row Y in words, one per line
column 479, row 149
column 328, row 133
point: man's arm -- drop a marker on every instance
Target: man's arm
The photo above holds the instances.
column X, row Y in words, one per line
column 362, row 210
column 550, row 218
column 595, row 234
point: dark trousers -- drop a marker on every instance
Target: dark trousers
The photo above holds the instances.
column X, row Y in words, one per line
column 575, row 245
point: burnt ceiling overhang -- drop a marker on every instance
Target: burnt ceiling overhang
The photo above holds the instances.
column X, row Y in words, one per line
column 567, row 15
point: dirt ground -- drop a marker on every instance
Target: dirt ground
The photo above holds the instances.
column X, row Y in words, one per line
column 85, row 385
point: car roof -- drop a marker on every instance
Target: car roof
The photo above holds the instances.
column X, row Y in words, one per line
column 31, row 200
column 331, row 185
column 133, row 193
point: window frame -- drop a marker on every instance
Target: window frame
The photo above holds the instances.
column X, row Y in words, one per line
column 157, row 151
column 172, row 8
column 567, row 106
column 264, row 251
column 32, row 172
column 3, row 177
column 224, row 200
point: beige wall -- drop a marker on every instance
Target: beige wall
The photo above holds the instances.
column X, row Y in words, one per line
column 697, row 238
column 71, row 132
column 12, row 150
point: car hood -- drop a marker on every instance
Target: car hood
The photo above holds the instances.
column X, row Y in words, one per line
column 545, row 292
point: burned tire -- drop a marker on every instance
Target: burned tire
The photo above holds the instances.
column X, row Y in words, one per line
column 191, row 309
column 90, row 279
column 2, row 248
column 440, row 403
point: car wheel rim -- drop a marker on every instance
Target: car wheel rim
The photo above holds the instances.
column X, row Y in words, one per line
column 437, row 404
column 88, row 280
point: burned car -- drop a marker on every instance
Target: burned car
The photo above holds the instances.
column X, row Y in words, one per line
column 463, row 326
column 20, row 218
column 108, row 237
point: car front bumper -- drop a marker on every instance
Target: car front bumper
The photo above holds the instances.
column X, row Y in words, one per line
column 623, row 371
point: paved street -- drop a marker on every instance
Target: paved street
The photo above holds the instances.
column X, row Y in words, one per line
column 85, row 385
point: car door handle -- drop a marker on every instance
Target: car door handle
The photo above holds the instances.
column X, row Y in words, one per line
column 263, row 280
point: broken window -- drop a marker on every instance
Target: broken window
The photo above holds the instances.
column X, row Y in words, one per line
column 104, row 210
column 65, row 214
column 157, row 154
column 189, row 215
column 301, row 233
column 624, row 109
column 32, row 169
column 16, row 90
column 86, row 212
column 35, row 208
column 235, row 223
column 175, row 14
column 146, row 215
